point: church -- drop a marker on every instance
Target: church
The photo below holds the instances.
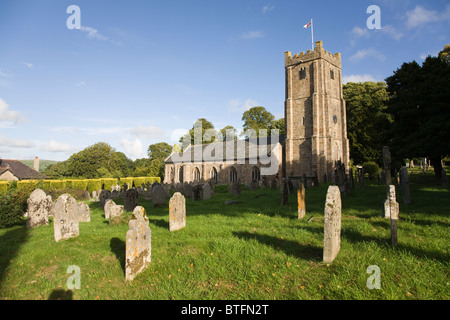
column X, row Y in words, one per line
column 315, row 140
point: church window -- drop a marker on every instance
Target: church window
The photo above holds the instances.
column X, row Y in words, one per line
column 332, row 74
column 233, row 175
column 302, row 73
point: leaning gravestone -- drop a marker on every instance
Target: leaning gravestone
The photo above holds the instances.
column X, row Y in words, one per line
column 301, row 201
column 65, row 218
column 84, row 213
column 332, row 224
column 177, row 212
column 39, row 208
column 158, row 196
column 113, row 210
column 130, row 199
column 207, row 191
column 138, row 244
column 404, row 182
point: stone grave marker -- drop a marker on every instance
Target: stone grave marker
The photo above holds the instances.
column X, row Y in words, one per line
column 393, row 209
column 65, row 217
column 39, row 208
column 130, row 199
column 207, row 191
column 138, row 244
column 332, row 224
column 84, row 213
column 103, row 196
column 113, row 210
column 404, row 183
column 177, row 212
column 158, row 196
column 301, row 201
column 197, row 192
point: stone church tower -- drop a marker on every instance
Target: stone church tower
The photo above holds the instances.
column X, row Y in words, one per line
column 315, row 116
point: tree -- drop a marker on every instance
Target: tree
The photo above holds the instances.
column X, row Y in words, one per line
column 256, row 119
column 419, row 104
column 228, row 133
column 159, row 150
column 367, row 120
column 202, row 132
column 280, row 125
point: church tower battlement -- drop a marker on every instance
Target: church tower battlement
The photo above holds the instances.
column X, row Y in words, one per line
column 315, row 114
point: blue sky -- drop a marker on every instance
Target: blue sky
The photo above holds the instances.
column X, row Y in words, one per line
column 142, row 72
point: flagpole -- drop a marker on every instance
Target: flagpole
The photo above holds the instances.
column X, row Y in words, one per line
column 312, row 36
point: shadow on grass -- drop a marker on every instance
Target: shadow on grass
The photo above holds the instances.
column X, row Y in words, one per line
column 61, row 294
column 293, row 248
column 118, row 247
column 160, row 223
column 10, row 244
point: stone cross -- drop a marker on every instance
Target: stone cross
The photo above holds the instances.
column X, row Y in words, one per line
column 301, row 201
column 138, row 244
column 332, row 224
column 177, row 212
column 65, row 217
column 39, row 208
column 393, row 208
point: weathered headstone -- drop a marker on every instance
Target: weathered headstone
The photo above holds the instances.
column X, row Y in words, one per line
column 130, row 199
column 207, row 191
column 65, row 217
column 138, row 244
column 103, row 196
column 94, row 195
column 84, row 213
column 188, row 190
column 301, row 202
column 332, row 224
column 39, row 208
column 235, row 188
column 197, row 192
column 177, row 212
column 158, row 196
column 113, row 210
column 253, row 184
column 284, row 192
column 393, row 209
column 404, row 182
column 115, row 194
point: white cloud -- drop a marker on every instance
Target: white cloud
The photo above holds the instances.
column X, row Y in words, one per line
column 15, row 143
column 90, row 131
column 93, row 33
column 146, row 132
column 420, row 16
column 134, row 149
column 358, row 78
column 237, row 105
column 267, row 9
column 367, row 53
column 252, row 35
column 360, row 32
column 392, row 32
column 7, row 115
column 177, row 134
column 80, row 83
column 55, row 146
column 29, row 65
column 3, row 74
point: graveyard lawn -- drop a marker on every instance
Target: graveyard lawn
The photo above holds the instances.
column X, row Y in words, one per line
column 252, row 249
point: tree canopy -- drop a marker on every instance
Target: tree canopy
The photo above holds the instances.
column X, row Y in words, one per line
column 256, row 119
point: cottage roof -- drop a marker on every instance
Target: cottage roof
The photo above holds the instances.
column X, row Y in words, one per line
column 19, row 169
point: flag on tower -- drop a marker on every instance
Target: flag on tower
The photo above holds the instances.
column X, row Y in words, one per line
column 307, row 25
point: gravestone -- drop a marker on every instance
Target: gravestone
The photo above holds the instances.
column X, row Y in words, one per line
column 404, row 183
column 84, row 213
column 113, row 210
column 138, row 244
column 235, row 188
column 197, row 192
column 332, row 224
column 253, row 184
column 273, row 184
column 65, row 217
column 39, row 208
column 284, row 192
column 351, row 184
column 103, row 196
column 94, row 195
column 301, row 202
column 392, row 208
column 115, row 194
column 158, row 196
column 207, row 191
column 188, row 190
column 130, row 199
column 177, row 212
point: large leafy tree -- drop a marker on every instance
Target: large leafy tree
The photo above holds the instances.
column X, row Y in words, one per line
column 255, row 119
column 420, row 104
column 228, row 133
column 202, row 132
column 367, row 120
column 159, row 150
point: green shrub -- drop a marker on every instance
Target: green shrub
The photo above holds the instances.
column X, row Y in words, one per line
column 13, row 203
column 4, row 185
column 58, row 184
column 93, row 184
column 372, row 168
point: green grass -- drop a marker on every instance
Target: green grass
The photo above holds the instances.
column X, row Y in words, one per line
column 251, row 250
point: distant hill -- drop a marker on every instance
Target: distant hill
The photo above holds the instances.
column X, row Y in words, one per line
column 43, row 164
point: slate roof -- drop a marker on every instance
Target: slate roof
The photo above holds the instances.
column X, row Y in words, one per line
column 20, row 170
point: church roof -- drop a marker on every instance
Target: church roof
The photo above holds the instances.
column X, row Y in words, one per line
column 19, row 169
column 226, row 151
